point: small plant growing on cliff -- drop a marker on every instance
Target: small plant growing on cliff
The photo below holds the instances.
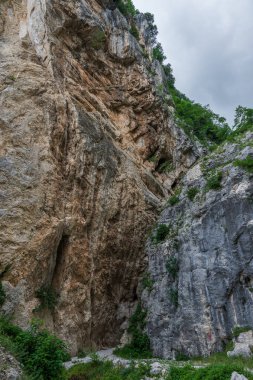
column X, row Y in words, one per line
column 173, row 295
column 126, row 7
column 158, row 53
column 2, row 294
column 240, row 329
column 48, row 298
column 172, row 266
column 246, row 164
column 98, row 39
column 140, row 344
column 147, row 282
column 161, row 233
column 214, row 181
column 192, row 192
column 174, row 199
column 135, row 32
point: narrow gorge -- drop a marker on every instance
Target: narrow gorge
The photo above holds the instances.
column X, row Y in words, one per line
column 106, row 201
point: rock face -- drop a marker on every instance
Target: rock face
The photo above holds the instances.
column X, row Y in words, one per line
column 9, row 367
column 80, row 117
column 243, row 345
column 202, row 272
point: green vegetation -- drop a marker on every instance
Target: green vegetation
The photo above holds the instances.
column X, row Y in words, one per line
column 126, row 7
column 98, row 39
column 174, row 199
column 165, row 166
column 48, row 298
column 99, row 370
column 212, row 372
column 147, row 282
column 173, row 295
column 41, row 353
column 172, row 267
column 198, row 120
column 214, row 181
column 240, row 329
column 192, row 192
column 158, row 53
column 161, row 233
column 140, row 344
column 246, row 164
column 243, row 122
column 2, row 294
column 135, row 32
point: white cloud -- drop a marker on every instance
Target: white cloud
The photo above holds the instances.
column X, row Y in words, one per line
column 209, row 44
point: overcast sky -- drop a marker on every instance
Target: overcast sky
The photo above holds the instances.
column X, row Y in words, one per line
column 209, row 44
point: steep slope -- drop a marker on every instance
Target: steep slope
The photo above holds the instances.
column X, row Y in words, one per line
column 80, row 118
column 201, row 266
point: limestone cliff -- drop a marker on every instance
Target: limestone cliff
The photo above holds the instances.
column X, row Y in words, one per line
column 202, row 271
column 80, row 118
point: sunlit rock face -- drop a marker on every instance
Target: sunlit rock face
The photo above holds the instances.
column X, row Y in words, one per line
column 80, row 118
column 203, row 271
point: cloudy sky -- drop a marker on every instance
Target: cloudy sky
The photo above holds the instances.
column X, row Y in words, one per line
column 209, row 44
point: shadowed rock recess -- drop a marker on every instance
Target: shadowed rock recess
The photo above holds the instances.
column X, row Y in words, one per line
column 89, row 155
column 80, row 117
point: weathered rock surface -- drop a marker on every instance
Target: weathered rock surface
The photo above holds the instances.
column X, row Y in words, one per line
column 9, row 367
column 243, row 345
column 79, row 119
column 203, row 271
column 237, row 376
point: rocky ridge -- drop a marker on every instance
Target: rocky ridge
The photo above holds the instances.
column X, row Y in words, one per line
column 202, row 271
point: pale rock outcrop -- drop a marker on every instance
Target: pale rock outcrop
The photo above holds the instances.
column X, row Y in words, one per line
column 80, row 117
column 237, row 376
column 202, row 273
column 9, row 367
column 243, row 345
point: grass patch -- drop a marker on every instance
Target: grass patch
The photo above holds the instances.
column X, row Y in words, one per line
column 212, row 372
column 214, row 181
column 106, row 371
column 147, row 282
column 174, row 199
column 192, row 192
column 172, row 267
column 139, row 348
column 98, row 39
column 161, row 233
column 246, row 164
column 240, row 329
column 173, row 295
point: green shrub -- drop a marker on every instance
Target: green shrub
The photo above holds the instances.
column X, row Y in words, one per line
column 240, row 329
column 135, row 32
column 192, row 192
column 48, row 298
column 161, row 233
column 158, row 53
column 212, row 372
column 173, row 295
column 172, row 266
column 98, row 39
column 41, row 353
column 214, row 181
column 246, row 164
column 2, row 294
column 165, row 167
column 140, row 343
column 197, row 120
column 126, row 7
column 147, row 282
column 174, row 199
